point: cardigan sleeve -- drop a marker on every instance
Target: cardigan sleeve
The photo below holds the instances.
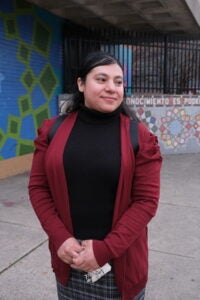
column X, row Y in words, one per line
column 39, row 191
column 145, row 196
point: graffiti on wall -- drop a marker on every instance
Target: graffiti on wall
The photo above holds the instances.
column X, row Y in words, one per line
column 30, row 74
column 174, row 119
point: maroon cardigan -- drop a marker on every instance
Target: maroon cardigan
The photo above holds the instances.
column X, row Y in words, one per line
column 136, row 203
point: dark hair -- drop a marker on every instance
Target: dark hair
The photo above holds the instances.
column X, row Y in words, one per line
column 95, row 59
column 91, row 61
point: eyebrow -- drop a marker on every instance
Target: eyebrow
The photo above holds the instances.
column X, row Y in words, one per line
column 105, row 74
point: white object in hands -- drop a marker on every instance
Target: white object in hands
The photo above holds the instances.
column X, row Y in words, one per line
column 97, row 274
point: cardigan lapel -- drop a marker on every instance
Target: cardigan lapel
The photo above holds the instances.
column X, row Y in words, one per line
column 56, row 172
column 126, row 170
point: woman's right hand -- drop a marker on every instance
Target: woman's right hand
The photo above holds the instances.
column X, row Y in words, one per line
column 69, row 249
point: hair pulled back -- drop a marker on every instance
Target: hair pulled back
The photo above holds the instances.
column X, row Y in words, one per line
column 91, row 61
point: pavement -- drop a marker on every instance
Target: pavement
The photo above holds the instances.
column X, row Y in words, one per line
column 174, row 238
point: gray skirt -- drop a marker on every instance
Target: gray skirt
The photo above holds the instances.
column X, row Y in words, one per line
column 78, row 289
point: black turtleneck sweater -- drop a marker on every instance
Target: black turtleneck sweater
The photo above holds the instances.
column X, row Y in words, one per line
column 92, row 167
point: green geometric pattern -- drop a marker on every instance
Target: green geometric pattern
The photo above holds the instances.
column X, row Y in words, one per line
column 14, row 124
column 2, row 138
column 24, row 147
column 23, row 53
column 28, row 79
column 41, row 38
column 24, row 103
column 11, row 28
column 40, row 114
column 46, row 79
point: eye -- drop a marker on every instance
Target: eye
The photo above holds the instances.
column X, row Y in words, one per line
column 118, row 82
column 101, row 79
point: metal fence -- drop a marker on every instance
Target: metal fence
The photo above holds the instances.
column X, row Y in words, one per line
column 153, row 63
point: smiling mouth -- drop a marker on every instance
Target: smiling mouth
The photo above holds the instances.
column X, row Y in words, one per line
column 109, row 98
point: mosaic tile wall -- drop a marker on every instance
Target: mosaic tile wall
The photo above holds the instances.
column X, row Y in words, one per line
column 30, row 73
column 174, row 119
column 31, row 63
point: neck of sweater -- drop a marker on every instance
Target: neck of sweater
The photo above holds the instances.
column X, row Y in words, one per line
column 94, row 116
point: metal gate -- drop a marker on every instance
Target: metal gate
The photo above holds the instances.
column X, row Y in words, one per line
column 153, row 63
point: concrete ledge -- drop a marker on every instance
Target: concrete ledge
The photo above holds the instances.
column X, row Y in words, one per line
column 16, row 165
column 194, row 7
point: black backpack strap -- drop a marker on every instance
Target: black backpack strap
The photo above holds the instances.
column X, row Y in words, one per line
column 133, row 132
column 134, row 135
column 55, row 127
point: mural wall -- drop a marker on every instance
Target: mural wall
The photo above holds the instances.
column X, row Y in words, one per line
column 31, row 65
column 30, row 73
column 174, row 119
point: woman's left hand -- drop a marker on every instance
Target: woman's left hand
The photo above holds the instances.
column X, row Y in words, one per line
column 86, row 260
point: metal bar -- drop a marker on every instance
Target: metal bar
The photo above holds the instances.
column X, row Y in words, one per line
column 159, row 63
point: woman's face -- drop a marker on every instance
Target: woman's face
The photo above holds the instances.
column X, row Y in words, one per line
column 103, row 88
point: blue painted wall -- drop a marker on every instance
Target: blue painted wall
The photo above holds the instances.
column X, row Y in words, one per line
column 31, row 73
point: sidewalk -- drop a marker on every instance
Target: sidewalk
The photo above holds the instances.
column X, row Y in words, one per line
column 174, row 238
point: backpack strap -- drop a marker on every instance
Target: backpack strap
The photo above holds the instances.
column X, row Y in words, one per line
column 55, row 127
column 134, row 135
column 133, row 132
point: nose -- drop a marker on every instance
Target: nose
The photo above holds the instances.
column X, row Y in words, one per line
column 110, row 86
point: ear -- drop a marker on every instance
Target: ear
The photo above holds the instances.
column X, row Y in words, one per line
column 80, row 84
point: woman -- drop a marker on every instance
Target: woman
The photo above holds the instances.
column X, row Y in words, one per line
column 93, row 197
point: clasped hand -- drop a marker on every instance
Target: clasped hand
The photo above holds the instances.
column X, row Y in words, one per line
column 79, row 256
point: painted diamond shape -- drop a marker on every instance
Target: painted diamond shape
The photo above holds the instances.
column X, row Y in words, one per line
column 24, row 104
column 28, row 79
column 11, row 28
column 23, row 53
column 41, row 38
column 48, row 81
